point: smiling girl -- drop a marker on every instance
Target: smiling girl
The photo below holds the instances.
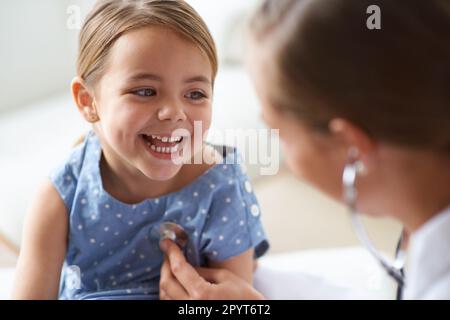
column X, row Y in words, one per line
column 146, row 70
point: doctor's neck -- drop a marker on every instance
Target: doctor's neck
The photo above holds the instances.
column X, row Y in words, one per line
column 414, row 189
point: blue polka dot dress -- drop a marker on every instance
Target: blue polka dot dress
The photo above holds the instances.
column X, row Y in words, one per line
column 113, row 252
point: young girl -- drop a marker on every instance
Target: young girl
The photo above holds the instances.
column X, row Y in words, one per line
column 146, row 70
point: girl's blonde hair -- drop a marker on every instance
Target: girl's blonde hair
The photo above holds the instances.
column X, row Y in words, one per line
column 110, row 19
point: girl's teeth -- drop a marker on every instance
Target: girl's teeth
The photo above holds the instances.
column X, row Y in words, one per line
column 163, row 149
column 166, row 139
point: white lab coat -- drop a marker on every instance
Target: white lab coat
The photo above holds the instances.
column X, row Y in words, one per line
column 428, row 268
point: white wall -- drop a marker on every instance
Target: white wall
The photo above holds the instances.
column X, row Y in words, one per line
column 37, row 56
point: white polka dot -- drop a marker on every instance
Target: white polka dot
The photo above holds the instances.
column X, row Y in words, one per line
column 134, row 206
column 224, row 167
column 130, row 222
column 119, row 215
column 83, row 201
column 93, row 217
column 68, row 178
column 214, row 253
column 227, row 200
column 142, row 256
column 212, row 185
column 248, row 186
column 166, row 213
column 221, row 237
column 224, row 219
column 92, row 240
column 148, row 269
column 127, row 266
column 106, row 229
column 133, row 251
column 254, row 210
column 258, row 234
column 128, row 291
column 129, row 274
column 238, row 241
column 80, row 227
column 116, row 233
column 203, row 211
column 125, row 242
column 188, row 218
column 195, row 194
column 230, row 181
column 156, row 201
column 241, row 223
column 195, row 234
column 243, row 203
column 114, row 283
column 144, row 212
column 180, row 203
column 112, row 277
column 95, row 263
column 96, row 191
column 107, row 206
column 110, row 252
column 102, row 244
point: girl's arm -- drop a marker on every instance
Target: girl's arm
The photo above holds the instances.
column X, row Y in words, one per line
column 241, row 265
column 43, row 248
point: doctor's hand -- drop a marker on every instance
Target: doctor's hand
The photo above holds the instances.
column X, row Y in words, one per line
column 180, row 280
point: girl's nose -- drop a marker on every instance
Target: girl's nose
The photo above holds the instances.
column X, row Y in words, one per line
column 171, row 112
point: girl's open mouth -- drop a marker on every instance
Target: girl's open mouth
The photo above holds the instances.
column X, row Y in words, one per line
column 163, row 147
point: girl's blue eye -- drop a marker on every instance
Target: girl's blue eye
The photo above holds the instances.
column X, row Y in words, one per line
column 146, row 92
column 196, row 95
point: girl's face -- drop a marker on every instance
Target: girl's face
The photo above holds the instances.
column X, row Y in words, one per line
column 155, row 82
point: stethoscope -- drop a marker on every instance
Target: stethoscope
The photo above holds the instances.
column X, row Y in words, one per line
column 175, row 232
column 393, row 269
column 170, row 230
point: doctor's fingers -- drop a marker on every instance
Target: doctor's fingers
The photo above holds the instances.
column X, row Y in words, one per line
column 169, row 287
column 187, row 276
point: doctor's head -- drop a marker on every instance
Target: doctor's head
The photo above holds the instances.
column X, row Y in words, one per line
column 334, row 86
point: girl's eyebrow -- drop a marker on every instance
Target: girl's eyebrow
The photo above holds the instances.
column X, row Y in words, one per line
column 144, row 76
column 150, row 76
column 198, row 79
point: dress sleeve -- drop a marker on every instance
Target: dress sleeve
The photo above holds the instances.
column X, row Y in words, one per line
column 233, row 224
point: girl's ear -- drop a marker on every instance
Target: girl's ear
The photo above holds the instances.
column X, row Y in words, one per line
column 354, row 138
column 84, row 100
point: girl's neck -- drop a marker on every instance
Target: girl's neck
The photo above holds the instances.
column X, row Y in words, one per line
column 130, row 186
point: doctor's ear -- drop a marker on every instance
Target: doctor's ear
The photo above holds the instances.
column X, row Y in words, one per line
column 352, row 138
column 84, row 100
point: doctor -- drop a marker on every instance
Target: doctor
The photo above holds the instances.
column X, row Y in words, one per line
column 364, row 116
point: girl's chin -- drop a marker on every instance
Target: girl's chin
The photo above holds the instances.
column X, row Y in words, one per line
column 162, row 172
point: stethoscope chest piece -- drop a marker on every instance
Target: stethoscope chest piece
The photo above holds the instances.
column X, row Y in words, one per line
column 171, row 230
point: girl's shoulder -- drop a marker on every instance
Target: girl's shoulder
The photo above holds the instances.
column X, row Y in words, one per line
column 66, row 175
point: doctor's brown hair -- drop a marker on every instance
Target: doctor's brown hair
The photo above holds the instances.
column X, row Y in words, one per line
column 394, row 82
